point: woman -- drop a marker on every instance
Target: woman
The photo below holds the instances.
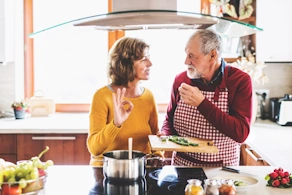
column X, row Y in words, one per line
column 124, row 108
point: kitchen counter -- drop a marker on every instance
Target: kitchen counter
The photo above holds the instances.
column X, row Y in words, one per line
column 55, row 123
column 80, row 180
column 270, row 140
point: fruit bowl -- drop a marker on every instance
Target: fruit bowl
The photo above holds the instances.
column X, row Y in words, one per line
column 23, row 187
column 26, row 177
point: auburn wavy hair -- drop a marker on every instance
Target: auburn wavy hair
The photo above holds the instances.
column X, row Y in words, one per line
column 122, row 56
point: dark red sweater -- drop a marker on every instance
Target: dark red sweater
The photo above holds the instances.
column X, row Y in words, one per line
column 236, row 124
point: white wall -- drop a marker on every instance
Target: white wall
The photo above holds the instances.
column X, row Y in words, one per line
column 11, row 74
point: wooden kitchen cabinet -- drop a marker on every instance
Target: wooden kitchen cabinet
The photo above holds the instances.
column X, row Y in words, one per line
column 249, row 157
column 8, row 147
column 65, row 149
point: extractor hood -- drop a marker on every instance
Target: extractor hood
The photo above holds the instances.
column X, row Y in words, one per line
column 157, row 14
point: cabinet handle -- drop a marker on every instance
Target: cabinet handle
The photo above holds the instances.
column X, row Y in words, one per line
column 54, row 138
column 249, row 152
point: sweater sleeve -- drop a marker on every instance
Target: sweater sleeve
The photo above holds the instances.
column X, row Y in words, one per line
column 101, row 132
column 153, row 121
column 236, row 124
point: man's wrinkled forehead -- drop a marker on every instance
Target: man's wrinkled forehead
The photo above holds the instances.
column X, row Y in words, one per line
column 191, row 46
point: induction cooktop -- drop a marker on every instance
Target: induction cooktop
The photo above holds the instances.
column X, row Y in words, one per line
column 168, row 180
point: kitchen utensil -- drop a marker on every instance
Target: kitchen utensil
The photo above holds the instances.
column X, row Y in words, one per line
column 117, row 165
column 205, row 145
column 130, row 143
column 236, row 171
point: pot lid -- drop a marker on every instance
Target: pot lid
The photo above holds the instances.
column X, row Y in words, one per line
column 151, row 14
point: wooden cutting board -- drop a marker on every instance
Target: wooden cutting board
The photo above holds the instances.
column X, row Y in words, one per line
column 205, row 145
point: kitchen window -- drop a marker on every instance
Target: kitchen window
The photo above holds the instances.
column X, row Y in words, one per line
column 70, row 64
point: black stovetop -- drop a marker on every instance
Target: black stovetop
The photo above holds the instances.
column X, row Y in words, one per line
column 158, row 181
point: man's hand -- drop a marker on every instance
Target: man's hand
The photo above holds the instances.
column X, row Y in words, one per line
column 191, row 95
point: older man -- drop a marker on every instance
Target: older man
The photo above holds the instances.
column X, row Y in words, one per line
column 209, row 100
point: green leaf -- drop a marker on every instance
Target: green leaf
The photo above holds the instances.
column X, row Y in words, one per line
column 247, row 2
column 267, row 177
column 230, row 10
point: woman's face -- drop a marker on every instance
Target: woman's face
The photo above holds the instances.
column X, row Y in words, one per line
column 142, row 67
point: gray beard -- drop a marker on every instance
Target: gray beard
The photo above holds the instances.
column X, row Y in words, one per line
column 193, row 74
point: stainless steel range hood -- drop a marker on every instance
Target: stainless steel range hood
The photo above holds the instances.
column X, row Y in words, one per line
column 154, row 14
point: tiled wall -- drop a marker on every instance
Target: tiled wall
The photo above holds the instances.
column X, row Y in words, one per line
column 280, row 79
column 7, row 86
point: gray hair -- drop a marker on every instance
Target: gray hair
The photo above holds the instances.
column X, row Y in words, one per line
column 208, row 41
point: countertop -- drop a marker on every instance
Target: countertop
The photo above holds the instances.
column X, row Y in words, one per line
column 270, row 140
column 79, row 180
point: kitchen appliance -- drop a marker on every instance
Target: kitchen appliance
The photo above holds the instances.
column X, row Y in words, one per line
column 152, row 14
column 274, row 108
column 169, row 180
column 281, row 110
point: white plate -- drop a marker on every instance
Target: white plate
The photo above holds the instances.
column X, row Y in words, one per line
column 250, row 181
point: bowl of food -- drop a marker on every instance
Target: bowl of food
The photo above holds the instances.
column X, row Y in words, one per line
column 26, row 177
column 23, row 187
column 241, row 182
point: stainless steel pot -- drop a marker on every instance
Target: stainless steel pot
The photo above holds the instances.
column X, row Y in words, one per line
column 125, row 188
column 117, row 165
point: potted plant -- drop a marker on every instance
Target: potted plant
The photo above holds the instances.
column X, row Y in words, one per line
column 20, row 108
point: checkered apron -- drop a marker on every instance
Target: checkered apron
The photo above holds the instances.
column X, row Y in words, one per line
column 188, row 122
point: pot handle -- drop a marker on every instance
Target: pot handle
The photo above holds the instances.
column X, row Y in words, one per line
column 151, row 157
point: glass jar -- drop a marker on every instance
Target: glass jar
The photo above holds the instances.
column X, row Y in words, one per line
column 194, row 187
column 211, row 187
column 227, row 187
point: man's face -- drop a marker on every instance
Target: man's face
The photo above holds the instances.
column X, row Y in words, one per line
column 197, row 63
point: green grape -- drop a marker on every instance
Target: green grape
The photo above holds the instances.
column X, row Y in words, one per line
column 8, row 172
column 27, row 177
column 35, row 161
column 11, row 180
column 49, row 163
column 22, row 183
column 42, row 165
column 20, row 175
column 29, row 165
column 35, row 173
column 1, row 176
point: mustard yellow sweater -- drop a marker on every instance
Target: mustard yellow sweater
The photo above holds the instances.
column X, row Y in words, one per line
column 104, row 136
